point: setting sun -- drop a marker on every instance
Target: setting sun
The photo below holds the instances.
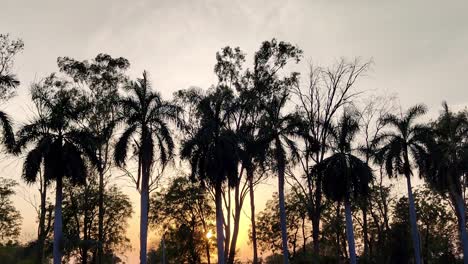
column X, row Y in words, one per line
column 209, row 234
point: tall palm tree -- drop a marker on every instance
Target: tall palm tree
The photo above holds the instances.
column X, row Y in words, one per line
column 60, row 146
column 409, row 140
column 146, row 115
column 277, row 131
column 344, row 175
column 212, row 151
column 447, row 163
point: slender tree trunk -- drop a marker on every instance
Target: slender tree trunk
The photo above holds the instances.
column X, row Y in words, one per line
column 460, row 207
column 316, row 216
column 237, row 215
column 252, row 217
column 284, row 233
column 100, row 216
column 42, row 229
column 350, row 232
column 338, row 229
column 57, row 250
column 364, row 230
column 219, row 223
column 414, row 227
column 144, row 214
column 304, row 239
column 163, row 249
column 208, row 256
column 227, row 229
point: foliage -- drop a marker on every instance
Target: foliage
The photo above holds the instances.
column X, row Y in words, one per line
column 184, row 212
column 269, row 230
column 10, row 218
column 80, row 223
column 9, row 48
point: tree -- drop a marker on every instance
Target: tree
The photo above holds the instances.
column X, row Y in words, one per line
column 147, row 116
column 81, row 227
column 212, row 151
column 183, row 212
column 277, row 130
column 9, row 48
column 408, row 141
column 447, row 164
column 328, row 90
column 60, row 146
column 269, row 229
column 345, row 176
column 255, row 88
column 10, row 218
column 101, row 79
column 437, row 226
column 8, row 83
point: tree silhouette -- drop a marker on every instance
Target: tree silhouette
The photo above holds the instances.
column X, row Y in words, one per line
column 345, row 176
column 81, row 226
column 447, row 164
column 277, row 130
column 147, row 116
column 212, row 151
column 408, row 140
column 101, row 79
column 10, row 218
column 184, row 212
column 60, row 146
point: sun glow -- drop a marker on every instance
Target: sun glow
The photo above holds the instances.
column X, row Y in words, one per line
column 209, row 234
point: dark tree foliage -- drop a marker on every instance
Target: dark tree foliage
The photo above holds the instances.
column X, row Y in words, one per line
column 81, row 225
column 9, row 48
column 146, row 117
column 10, row 218
column 269, row 228
column 60, row 145
column 184, row 212
column 101, row 79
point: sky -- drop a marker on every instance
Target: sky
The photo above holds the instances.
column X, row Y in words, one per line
column 419, row 49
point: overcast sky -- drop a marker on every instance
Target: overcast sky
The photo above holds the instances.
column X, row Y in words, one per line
column 419, row 48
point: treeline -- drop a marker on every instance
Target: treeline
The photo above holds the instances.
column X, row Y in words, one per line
column 329, row 145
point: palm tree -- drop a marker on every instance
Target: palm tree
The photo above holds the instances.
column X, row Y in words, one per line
column 276, row 131
column 147, row 116
column 408, row 141
column 212, row 151
column 60, row 146
column 447, row 164
column 344, row 175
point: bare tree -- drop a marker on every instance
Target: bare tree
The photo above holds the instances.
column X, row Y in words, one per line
column 329, row 90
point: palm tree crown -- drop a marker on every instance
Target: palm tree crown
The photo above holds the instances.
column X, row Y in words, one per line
column 60, row 143
column 408, row 140
column 344, row 175
column 147, row 115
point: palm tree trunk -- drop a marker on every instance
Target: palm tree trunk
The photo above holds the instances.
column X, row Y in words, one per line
column 144, row 202
column 460, row 207
column 57, row 251
column 414, row 227
column 219, row 223
column 252, row 217
column 284, row 234
column 42, row 228
column 350, row 232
